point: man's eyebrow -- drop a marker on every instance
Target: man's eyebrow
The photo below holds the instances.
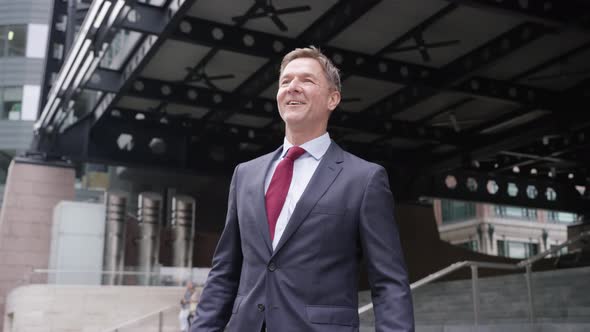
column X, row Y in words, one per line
column 306, row 75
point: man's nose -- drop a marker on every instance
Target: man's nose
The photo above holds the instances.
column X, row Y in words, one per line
column 294, row 86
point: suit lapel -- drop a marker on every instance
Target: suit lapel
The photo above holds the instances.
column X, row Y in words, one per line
column 327, row 171
column 261, row 168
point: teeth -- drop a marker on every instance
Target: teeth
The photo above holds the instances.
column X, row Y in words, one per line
column 294, row 103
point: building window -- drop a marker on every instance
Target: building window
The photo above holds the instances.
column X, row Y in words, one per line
column 11, row 103
column 514, row 249
column 457, row 210
column 470, row 245
column 515, row 212
column 13, row 40
column 561, row 217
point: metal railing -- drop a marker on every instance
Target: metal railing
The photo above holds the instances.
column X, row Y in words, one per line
column 129, row 277
column 525, row 264
column 158, row 317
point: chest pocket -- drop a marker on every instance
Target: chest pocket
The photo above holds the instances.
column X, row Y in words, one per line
column 328, row 209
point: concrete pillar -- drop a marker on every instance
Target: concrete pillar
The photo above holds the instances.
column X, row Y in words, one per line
column 182, row 225
column 149, row 215
column 32, row 190
column 115, row 232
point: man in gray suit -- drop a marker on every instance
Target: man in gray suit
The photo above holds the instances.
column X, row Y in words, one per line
column 299, row 219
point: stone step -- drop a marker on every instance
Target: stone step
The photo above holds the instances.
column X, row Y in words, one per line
column 514, row 327
column 560, row 296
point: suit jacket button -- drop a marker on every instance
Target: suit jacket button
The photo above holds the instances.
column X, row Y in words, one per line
column 261, row 307
column 272, row 266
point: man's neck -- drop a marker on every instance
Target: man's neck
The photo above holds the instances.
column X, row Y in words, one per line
column 299, row 138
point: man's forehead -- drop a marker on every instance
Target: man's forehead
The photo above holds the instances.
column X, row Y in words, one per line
column 297, row 65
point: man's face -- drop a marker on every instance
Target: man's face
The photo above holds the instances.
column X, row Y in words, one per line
column 305, row 97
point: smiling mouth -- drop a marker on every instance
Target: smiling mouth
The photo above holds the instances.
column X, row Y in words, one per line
column 294, row 103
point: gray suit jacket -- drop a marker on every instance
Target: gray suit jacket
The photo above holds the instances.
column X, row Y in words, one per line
column 310, row 281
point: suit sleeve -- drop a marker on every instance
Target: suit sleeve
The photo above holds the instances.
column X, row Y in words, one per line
column 392, row 299
column 219, row 293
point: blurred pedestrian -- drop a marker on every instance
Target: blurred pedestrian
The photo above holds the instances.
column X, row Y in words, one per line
column 183, row 315
column 194, row 300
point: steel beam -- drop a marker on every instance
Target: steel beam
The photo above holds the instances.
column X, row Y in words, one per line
column 553, row 61
column 219, row 100
column 577, row 94
column 418, row 30
column 507, row 140
column 200, row 31
column 505, row 91
column 56, row 48
column 533, row 158
column 335, row 20
column 423, row 78
column 548, row 154
column 561, row 13
column 89, row 46
column 105, row 80
column 575, row 119
column 447, row 109
column 146, row 49
column 458, row 70
column 220, row 152
column 138, row 138
column 499, row 120
column 224, row 147
column 146, row 19
column 197, row 96
column 519, row 190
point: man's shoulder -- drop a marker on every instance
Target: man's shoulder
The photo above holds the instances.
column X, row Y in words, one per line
column 359, row 163
column 258, row 161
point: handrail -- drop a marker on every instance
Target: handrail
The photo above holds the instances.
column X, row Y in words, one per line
column 179, row 274
column 448, row 270
column 474, row 265
column 459, row 265
column 138, row 319
column 105, row 272
column 538, row 257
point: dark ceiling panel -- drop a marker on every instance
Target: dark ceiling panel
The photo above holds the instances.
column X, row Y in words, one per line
column 429, row 86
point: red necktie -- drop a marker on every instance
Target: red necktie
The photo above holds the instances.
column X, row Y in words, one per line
column 279, row 187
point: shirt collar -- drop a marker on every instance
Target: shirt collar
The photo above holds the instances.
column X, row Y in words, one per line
column 317, row 147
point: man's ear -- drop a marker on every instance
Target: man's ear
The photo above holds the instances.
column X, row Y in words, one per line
column 334, row 100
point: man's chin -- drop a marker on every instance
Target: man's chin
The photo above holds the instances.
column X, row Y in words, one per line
column 292, row 118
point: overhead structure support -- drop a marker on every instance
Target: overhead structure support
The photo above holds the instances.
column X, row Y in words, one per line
column 266, row 108
column 56, row 48
column 460, row 69
column 533, row 192
column 572, row 13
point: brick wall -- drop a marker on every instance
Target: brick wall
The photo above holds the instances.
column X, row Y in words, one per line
column 31, row 192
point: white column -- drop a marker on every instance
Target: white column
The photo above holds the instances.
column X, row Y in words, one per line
column 37, row 35
column 30, row 104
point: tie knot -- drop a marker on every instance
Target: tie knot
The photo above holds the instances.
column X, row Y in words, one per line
column 295, row 152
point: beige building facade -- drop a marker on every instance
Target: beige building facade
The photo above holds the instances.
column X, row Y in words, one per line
column 501, row 230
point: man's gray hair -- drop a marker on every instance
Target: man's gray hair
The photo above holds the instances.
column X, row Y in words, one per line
column 332, row 73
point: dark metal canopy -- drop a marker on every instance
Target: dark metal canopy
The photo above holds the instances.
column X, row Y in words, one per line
column 476, row 100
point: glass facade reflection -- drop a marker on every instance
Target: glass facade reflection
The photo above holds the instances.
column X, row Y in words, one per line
column 11, row 103
column 13, row 40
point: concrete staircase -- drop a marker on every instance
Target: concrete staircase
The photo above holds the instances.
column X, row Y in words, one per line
column 60, row 308
column 165, row 320
column 561, row 303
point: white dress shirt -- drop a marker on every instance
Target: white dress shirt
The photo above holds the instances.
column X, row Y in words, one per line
column 303, row 170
